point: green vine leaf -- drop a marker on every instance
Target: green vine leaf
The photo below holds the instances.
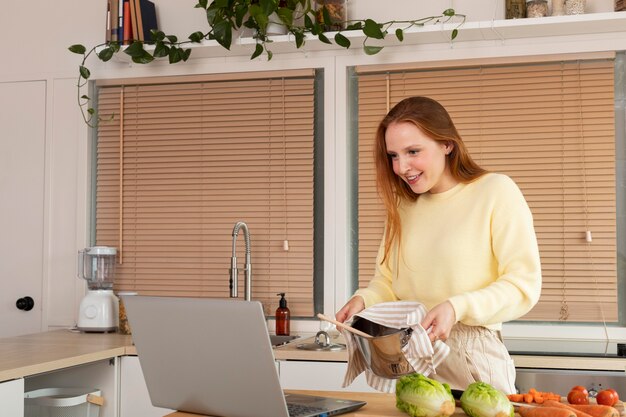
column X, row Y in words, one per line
column 223, row 33
column 372, row 50
column 400, row 34
column 372, row 30
column 106, row 54
column 161, row 50
column 196, row 37
column 135, row 49
column 143, row 58
column 299, row 39
column 342, row 40
column 454, row 34
column 174, row 39
column 258, row 50
column 285, row 15
column 84, row 72
column 157, row 35
column 324, row 39
column 355, row 26
column 78, row 49
column 449, row 13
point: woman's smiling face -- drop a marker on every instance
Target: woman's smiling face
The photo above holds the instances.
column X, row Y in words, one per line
column 419, row 160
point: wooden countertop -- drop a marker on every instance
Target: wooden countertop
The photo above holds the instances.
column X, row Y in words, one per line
column 378, row 404
column 28, row 355
column 33, row 354
column 290, row 351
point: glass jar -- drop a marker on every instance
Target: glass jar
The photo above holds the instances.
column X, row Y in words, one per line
column 536, row 8
column 515, row 9
column 558, row 8
column 337, row 12
column 574, row 7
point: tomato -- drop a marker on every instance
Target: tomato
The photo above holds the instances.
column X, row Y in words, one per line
column 606, row 397
column 580, row 388
column 577, row 397
column 615, row 394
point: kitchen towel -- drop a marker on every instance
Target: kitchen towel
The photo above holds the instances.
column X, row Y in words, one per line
column 423, row 355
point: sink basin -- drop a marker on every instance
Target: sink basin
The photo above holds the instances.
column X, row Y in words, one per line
column 281, row 340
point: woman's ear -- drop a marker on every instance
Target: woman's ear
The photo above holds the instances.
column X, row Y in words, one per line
column 449, row 147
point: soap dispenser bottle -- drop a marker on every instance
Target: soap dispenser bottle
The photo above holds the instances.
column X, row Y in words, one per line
column 283, row 316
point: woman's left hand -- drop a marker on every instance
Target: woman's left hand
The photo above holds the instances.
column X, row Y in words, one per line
column 440, row 320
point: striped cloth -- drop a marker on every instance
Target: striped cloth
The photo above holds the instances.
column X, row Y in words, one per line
column 420, row 352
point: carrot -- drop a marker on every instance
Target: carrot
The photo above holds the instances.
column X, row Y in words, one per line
column 544, row 412
column 528, row 398
column 596, row 410
column 517, row 398
column 558, row 404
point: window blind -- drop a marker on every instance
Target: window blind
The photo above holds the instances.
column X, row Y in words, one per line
column 549, row 126
column 181, row 162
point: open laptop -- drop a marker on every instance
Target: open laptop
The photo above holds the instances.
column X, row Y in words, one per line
column 214, row 357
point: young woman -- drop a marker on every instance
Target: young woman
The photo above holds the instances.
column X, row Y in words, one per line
column 457, row 239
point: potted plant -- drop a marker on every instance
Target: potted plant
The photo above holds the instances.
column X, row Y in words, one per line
column 225, row 17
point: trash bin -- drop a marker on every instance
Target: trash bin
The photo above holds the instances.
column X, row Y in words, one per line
column 63, row 402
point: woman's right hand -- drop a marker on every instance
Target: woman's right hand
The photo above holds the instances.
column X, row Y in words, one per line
column 353, row 306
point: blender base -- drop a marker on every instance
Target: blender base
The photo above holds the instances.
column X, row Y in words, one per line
column 99, row 312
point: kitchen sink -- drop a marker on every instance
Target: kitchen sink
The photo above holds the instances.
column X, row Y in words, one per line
column 278, row 340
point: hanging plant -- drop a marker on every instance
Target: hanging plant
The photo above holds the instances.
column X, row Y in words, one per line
column 225, row 17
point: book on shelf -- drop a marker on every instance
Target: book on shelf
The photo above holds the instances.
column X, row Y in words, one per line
column 127, row 25
column 107, row 33
column 114, row 20
column 134, row 12
column 147, row 19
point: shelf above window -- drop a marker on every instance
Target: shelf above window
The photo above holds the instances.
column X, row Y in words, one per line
column 496, row 30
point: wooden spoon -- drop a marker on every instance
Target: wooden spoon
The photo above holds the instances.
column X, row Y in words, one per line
column 343, row 326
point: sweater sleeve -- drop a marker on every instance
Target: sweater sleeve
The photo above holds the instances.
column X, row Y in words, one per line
column 514, row 245
column 379, row 289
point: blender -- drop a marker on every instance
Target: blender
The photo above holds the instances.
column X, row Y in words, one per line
column 99, row 308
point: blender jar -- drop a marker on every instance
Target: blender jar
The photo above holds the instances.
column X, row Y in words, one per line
column 96, row 265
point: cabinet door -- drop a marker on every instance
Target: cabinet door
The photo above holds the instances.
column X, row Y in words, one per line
column 12, row 398
column 22, row 162
column 325, row 376
column 134, row 397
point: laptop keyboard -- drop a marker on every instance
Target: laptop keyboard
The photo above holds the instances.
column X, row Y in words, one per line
column 297, row 410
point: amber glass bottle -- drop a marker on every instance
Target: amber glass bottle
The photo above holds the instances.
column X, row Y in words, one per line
column 283, row 316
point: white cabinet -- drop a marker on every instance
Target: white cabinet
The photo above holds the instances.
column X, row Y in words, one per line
column 12, row 398
column 102, row 375
column 134, row 397
column 325, row 376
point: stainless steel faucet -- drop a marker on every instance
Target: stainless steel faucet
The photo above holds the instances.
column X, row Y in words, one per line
column 233, row 262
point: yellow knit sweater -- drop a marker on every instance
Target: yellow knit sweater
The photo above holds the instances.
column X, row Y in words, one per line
column 473, row 245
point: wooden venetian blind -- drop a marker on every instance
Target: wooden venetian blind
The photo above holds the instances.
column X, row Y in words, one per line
column 182, row 162
column 549, row 126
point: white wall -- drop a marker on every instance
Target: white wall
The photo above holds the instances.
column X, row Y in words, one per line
column 39, row 33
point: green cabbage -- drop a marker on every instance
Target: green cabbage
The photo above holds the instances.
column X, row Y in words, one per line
column 482, row 400
column 419, row 396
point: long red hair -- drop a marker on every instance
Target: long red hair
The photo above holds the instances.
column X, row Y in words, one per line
column 432, row 119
